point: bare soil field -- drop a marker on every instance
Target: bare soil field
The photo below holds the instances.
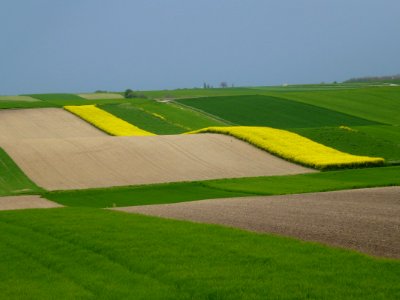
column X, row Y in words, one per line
column 25, row 202
column 43, row 123
column 367, row 220
column 97, row 96
column 78, row 163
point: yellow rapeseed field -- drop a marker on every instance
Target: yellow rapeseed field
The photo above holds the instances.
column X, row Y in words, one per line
column 106, row 121
column 294, row 147
column 288, row 145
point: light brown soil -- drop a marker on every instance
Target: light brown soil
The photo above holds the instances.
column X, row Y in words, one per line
column 25, row 202
column 367, row 220
column 116, row 161
column 18, row 98
column 43, row 123
column 95, row 96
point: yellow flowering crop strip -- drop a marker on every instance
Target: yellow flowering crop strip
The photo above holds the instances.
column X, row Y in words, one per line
column 106, row 121
column 294, row 147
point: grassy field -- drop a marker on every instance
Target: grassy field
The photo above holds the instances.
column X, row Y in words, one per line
column 355, row 141
column 12, row 180
column 190, row 191
column 145, row 120
column 389, row 133
column 256, row 110
column 25, row 104
column 178, row 115
column 60, row 100
column 379, row 104
column 199, row 92
column 93, row 254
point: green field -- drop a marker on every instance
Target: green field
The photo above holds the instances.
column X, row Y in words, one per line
column 175, row 114
column 60, row 100
column 145, row 120
column 85, row 252
column 72, row 253
column 389, row 133
column 12, row 180
column 256, row 110
column 354, row 141
column 57, row 97
column 199, row 92
column 379, row 104
column 190, row 191
column 25, row 104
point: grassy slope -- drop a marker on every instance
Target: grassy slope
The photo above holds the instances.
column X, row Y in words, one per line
column 189, row 191
column 25, row 104
column 256, row 110
column 390, row 133
column 60, row 100
column 142, row 119
column 93, row 254
column 175, row 114
column 380, row 104
column 12, row 180
column 189, row 93
column 139, row 195
column 355, row 142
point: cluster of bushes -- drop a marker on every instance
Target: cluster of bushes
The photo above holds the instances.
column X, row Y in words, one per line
column 129, row 94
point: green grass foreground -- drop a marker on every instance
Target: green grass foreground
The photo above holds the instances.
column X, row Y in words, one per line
column 12, row 180
column 71, row 253
column 223, row 188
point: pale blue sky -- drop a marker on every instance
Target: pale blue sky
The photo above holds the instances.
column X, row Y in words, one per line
column 85, row 45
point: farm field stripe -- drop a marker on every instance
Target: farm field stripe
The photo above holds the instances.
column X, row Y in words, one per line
column 25, row 202
column 106, row 121
column 18, row 98
column 294, row 147
column 98, row 96
column 81, row 163
column 43, row 123
column 282, row 143
column 227, row 188
column 276, row 112
column 365, row 219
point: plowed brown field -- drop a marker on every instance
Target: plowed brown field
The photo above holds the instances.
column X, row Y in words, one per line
column 366, row 220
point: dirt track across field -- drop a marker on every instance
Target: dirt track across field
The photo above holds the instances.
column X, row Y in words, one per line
column 80, row 163
column 367, row 220
column 43, row 123
column 25, row 202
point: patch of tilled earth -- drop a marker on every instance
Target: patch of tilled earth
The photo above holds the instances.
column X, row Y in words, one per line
column 367, row 220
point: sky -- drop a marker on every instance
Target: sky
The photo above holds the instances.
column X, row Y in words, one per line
column 87, row 45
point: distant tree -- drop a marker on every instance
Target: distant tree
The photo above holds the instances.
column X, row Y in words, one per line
column 129, row 94
column 204, row 85
column 101, row 92
column 223, row 84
